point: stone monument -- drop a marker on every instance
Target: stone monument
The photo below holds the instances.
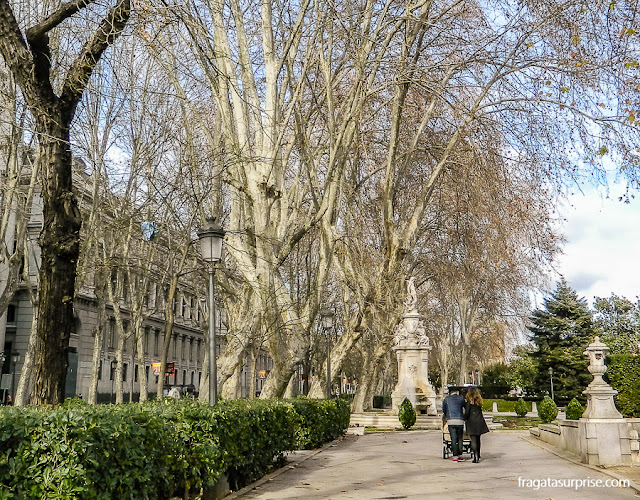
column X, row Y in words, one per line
column 603, row 431
column 602, row 436
column 412, row 352
column 599, row 394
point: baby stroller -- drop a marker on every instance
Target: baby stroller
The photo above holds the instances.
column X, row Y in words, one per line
column 447, row 449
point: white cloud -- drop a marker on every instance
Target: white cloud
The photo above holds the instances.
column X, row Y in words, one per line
column 602, row 254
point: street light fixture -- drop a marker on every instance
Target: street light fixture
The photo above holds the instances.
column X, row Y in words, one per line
column 551, row 380
column 210, row 237
column 326, row 317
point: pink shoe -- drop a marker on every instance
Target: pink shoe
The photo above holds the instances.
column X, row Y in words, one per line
column 460, row 459
column 455, row 459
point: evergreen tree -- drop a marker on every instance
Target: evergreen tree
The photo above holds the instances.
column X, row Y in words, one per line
column 560, row 333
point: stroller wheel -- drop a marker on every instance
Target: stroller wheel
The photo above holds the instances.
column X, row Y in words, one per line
column 445, row 452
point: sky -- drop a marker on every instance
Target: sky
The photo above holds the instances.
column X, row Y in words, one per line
column 602, row 253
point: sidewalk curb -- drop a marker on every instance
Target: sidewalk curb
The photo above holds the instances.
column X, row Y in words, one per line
column 256, row 484
column 572, row 458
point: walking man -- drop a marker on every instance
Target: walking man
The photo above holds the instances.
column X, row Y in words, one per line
column 452, row 409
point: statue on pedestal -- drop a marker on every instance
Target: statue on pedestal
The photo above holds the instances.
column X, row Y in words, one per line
column 412, row 347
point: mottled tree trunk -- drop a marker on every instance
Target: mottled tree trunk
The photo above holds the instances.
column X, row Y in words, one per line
column 60, row 249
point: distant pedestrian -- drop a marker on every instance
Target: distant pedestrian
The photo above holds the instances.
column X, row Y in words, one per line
column 453, row 416
column 476, row 425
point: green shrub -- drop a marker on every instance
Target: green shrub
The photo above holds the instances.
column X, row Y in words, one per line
column 407, row 414
column 521, row 408
column 574, row 410
column 623, row 373
column 547, row 410
column 153, row 450
column 322, row 420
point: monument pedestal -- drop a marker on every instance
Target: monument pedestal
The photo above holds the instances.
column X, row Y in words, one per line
column 412, row 352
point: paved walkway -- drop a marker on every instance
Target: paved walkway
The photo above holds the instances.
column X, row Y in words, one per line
column 398, row 465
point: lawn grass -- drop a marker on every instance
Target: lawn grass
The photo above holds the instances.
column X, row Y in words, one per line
column 515, row 422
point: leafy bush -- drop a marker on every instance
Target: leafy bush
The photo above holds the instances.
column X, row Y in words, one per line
column 407, row 414
column 321, row 420
column 152, row 450
column 547, row 410
column 574, row 410
column 521, row 408
column 623, row 373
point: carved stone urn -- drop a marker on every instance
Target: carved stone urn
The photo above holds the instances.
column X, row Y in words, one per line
column 599, row 394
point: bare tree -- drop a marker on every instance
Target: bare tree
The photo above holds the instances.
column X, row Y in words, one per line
column 27, row 52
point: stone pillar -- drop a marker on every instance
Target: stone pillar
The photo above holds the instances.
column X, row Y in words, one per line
column 603, row 432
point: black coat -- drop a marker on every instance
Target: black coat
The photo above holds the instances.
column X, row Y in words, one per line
column 474, row 420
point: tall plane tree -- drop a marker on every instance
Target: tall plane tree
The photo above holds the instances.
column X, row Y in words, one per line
column 27, row 51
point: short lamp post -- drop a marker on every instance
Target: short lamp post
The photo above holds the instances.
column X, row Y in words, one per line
column 15, row 359
column 551, row 380
column 327, row 325
column 210, row 237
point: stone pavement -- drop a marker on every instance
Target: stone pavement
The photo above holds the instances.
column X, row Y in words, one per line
column 398, row 465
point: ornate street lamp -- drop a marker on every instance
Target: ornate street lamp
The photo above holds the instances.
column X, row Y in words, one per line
column 210, row 237
column 326, row 317
column 551, row 380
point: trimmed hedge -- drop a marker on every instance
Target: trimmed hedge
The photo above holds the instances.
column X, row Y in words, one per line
column 322, row 420
column 521, row 408
column 547, row 410
column 623, row 373
column 406, row 414
column 574, row 410
column 153, row 450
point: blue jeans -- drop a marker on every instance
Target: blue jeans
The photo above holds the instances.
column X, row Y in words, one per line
column 455, row 431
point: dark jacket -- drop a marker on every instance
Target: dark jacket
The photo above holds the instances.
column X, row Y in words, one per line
column 452, row 407
column 476, row 424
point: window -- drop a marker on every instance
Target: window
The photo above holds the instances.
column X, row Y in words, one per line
column 135, row 373
column 175, row 346
column 183, row 307
column 193, row 376
column 124, row 371
column 156, row 343
column 146, row 372
column 190, row 348
column 147, row 331
column 184, row 377
column 198, row 351
column 112, row 372
column 11, row 313
column 111, row 334
column 182, row 342
column 100, row 371
column 125, row 330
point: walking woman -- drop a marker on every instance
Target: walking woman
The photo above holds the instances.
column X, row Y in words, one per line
column 476, row 425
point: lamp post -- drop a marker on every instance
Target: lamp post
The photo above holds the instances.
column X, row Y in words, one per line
column 551, row 380
column 211, row 236
column 15, row 358
column 327, row 324
column 2, row 360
